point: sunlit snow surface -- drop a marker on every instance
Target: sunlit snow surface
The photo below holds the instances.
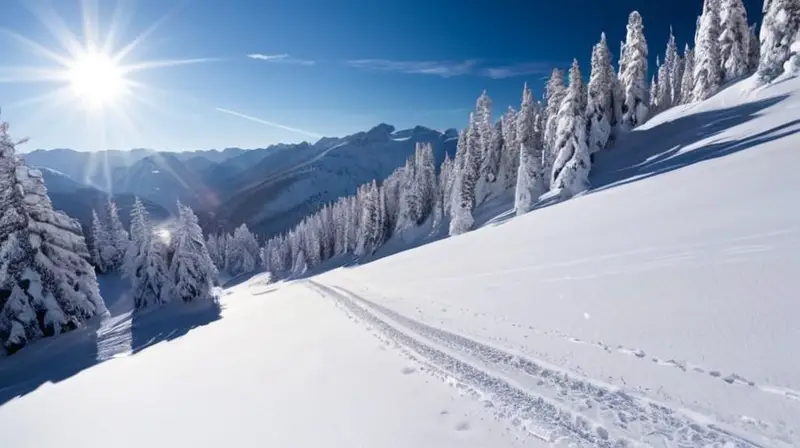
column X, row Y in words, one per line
column 659, row 309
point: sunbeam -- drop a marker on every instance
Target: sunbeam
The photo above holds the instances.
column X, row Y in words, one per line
column 92, row 69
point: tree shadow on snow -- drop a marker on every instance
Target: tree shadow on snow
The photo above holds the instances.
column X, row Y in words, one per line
column 649, row 152
column 171, row 321
column 121, row 333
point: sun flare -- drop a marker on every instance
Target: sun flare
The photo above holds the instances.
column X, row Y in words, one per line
column 96, row 79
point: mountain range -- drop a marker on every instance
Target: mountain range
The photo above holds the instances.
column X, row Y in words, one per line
column 270, row 189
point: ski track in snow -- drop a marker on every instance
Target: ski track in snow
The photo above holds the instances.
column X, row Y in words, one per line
column 732, row 378
column 545, row 401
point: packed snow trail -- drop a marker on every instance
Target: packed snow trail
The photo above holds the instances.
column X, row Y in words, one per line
column 550, row 403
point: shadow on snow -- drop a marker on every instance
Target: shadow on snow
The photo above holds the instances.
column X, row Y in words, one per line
column 122, row 333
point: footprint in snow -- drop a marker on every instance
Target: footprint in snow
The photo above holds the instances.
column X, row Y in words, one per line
column 408, row 370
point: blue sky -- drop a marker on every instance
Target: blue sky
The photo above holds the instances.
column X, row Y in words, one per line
column 327, row 67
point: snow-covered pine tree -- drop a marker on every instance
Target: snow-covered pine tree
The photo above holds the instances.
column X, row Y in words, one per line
column 491, row 140
column 599, row 110
column 654, row 95
column 47, row 285
column 192, row 271
column 117, row 244
column 555, row 91
column 244, row 254
column 571, row 169
column 466, row 181
column 339, row 222
column 664, row 100
column 212, row 245
column 778, row 30
column 708, row 74
column 674, row 68
column 753, row 50
column 410, row 206
column 733, row 40
column 446, row 178
column 633, row 76
column 145, row 262
column 99, row 239
column 299, row 267
column 425, row 167
column 687, row 80
column 353, row 223
column 370, row 223
column 510, row 157
column 530, row 175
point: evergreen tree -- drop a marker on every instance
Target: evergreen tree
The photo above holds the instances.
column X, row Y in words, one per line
column 707, row 63
column 571, row 169
column 530, row 177
column 664, row 100
column 634, row 76
column 687, row 81
column 600, row 107
column 671, row 84
column 466, row 180
column 753, row 50
column 242, row 251
column 192, row 270
column 446, row 180
column 145, row 262
column 370, row 222
column 99, row 238
column 555, row 91
column 654, row 95
column 213, row 247
column 425, row 168
column 116, row 244
column 510, row 155
column 778, row 30
column 47, row 285
column 733, row 40
column 299, row 267
column 410, row 210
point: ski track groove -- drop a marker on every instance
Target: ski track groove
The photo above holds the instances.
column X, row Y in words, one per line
column 524, row 407
column 731, row 378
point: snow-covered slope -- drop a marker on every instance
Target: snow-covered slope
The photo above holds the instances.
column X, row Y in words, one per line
column 283, row 370
column 674, row 282
column 659, row 309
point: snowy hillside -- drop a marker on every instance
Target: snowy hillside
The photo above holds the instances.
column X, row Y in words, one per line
column 658, row 309
column 290, row 185
column 672, row 283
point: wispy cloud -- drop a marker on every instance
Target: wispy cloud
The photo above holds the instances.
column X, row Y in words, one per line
column 445, row 69
column 269, row 123
column 280, row 58
column 521, row 69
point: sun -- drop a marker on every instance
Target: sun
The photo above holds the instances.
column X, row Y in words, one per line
column 96, row 80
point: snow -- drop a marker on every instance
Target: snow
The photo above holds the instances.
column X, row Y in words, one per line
column 301, row 375
column 673, row 280
column 659, row 309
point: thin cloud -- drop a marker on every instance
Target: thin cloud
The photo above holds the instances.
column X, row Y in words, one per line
column 445, row 69
column 280, row 58
column 269, row 123
column 522, row 69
